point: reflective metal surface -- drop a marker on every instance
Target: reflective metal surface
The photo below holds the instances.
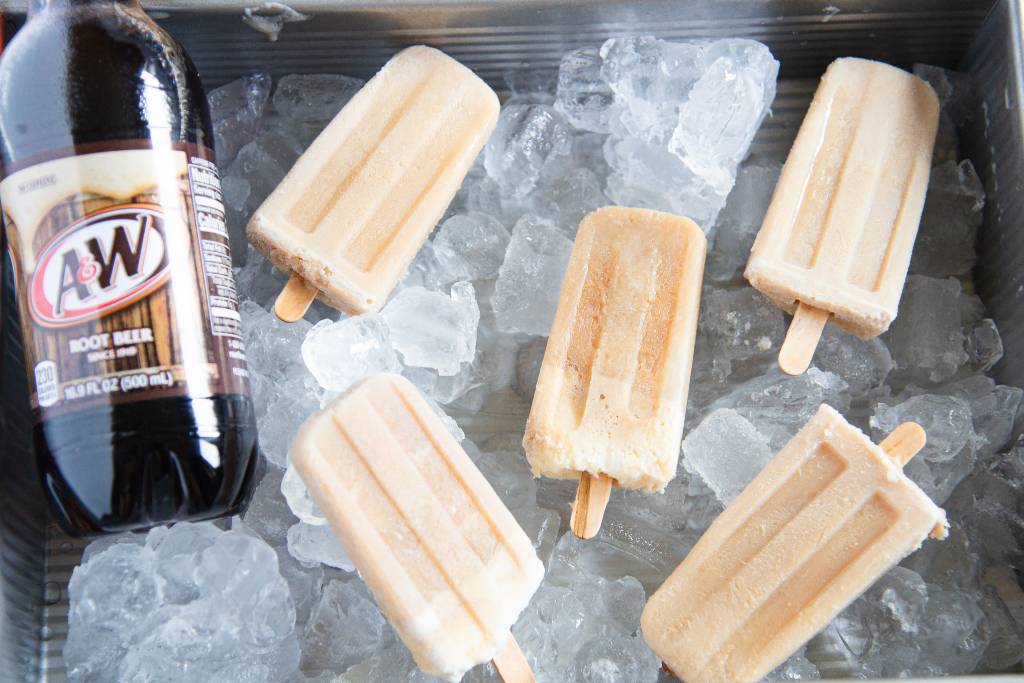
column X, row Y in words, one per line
column 996, row 144
column 493, row 36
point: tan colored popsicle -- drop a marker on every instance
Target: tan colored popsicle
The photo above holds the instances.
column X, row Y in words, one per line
column 837, row 238
column 444, row 558
column 352, row 213
column 822, row 521
column 612, row 388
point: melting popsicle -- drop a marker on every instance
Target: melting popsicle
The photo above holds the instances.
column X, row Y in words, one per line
column 357, row 205
column 611, row 394
column 837, row 237
column 444, row 558
column 823, row 520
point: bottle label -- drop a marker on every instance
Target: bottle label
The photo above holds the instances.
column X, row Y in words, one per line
column 124, row 278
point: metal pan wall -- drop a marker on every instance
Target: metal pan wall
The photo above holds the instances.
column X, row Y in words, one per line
column 493, row 36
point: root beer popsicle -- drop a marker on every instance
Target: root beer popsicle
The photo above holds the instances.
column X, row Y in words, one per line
column 446, row 561
column 352, row 213
column 837, row 238
column 822, row 521
column 612, row 388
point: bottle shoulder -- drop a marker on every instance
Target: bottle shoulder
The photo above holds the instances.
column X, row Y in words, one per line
column 93, row 75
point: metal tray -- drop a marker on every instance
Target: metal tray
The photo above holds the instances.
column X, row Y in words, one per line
column 982, row 37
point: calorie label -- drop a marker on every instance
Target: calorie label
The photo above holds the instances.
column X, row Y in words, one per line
column 124, row 276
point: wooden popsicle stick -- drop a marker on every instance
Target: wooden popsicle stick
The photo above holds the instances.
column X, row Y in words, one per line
column 512, row 665
column 591, row 500
column 802, row 338
column 294, row 300
column 904, row 442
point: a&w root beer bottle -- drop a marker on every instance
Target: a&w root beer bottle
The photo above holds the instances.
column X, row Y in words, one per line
column 115, row 223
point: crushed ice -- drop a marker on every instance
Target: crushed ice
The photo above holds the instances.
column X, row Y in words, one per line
column 636, row 121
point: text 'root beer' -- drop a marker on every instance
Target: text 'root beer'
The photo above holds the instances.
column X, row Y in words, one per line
column 114, row 221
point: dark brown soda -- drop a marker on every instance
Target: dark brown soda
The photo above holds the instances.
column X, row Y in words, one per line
column 82, row 72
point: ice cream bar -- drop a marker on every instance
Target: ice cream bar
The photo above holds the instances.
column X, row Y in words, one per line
column 823, row 520
column 444, row 558
column 837, row 237
column 612, row 388
column 357, row 205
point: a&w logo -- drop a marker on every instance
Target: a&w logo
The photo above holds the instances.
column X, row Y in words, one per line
column 103, row 262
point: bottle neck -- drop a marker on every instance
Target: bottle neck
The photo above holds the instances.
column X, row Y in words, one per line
column 41, row 5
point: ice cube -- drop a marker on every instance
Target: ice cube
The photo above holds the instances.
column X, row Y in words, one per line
column 863, row 364
column 649, row 176
column 284, row 392
column 176, row 557
column 588, row 153
column 528, row 362
column 946, row 420
column 952, row 446
column 313, row 544
column 111, row 597
column 425, row 271
column 951, row 643
column 268, row 514
column 926, row 339
column 257, row 281
column 671, row 147
column 984, row 345
column 1006, row 642
column 304, row 583
column 192, row 603
column 986, row 508
column 610, row 659
column 271, row 344
column 626, row 549
column 994, row 409
column 542, row 527
column 314, row 98
column 509, row 474
column 569, row 197
column 650, row 78
column 345, row 627
column 958, row 103
column 724, row 109
column 263, row 163
column 531, row 80
column 393, row 663
column 434, row 330
column 882, row 632
column 902, row 594
column 740, row 220
column 950, row 221
column 727, row 452
column 445, row 390
column 579, row 618
column 470, row 246
column 779, row 405
column 741, row 326
column 496, row 351
column 530, row 279
column 527, row 139
column 236, row 110
column 956, row 90
column 796, row 668
column 449, row 423
column 299, row 501
column 584, row 97
column 340, row 353
column 280, row 415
